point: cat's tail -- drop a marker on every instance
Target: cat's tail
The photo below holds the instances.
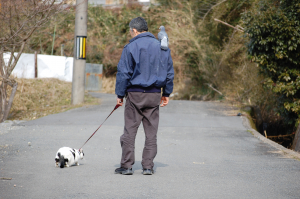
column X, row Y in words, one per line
column 61, row 160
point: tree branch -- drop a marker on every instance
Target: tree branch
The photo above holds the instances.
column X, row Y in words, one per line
column 210, row 86
column 238, row 28
column 212, row 8
column 10, row 69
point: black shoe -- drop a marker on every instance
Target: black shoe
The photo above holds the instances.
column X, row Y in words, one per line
column 124, row 171
column 148, row 172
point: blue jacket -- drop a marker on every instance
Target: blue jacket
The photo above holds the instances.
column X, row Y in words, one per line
column 144, row 67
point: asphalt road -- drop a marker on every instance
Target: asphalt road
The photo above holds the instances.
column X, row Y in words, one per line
column 202, row 153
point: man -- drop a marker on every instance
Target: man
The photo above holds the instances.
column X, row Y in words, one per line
column 144, row 68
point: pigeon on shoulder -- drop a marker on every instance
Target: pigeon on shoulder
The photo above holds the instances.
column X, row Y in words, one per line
column 163, row 38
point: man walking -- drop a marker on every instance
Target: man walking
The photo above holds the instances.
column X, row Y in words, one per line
column 143, row 71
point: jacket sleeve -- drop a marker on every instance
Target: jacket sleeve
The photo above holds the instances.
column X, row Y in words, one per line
column 125, row 71
column 168, row 88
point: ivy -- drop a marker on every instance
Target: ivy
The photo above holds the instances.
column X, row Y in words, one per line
column 273, row 28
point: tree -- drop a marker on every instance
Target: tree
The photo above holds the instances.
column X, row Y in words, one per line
column 274, row 31
column 19, row 19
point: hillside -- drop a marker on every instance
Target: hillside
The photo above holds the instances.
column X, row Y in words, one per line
column 210, row 57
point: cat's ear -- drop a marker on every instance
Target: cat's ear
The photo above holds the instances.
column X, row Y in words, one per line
column 80, row 150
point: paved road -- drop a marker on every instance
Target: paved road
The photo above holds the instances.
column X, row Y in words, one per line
column 202, row 153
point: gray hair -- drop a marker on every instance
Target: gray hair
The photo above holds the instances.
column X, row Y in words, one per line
column 139, row 23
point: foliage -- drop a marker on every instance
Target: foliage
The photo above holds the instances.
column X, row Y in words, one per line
column 199, row 47
column 108, row 33
column 212, row 52
column 18, row 21
column 203, row 50
column 190, row 39
column 274, row 31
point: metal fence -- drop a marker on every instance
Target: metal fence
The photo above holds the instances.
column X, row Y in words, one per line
column 93, row 77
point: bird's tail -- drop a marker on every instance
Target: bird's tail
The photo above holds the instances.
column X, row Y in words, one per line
column 164, row 43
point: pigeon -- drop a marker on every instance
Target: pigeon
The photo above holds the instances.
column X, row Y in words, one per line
column 163, row 38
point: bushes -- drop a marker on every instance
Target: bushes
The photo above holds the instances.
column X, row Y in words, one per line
column 216, row 54
column 203, row 51
column 209, row 52
column 274, row 31
column 108, row 33
column 194, row 54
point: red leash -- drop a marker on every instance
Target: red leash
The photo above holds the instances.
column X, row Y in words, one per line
column 117, row 106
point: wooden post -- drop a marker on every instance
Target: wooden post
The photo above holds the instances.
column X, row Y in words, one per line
column 35, row 65
column 53, row 39
column 62, row 50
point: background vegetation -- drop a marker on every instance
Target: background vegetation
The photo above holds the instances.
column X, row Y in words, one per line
column 274, row 32
column 37, row 98
column 253, row 63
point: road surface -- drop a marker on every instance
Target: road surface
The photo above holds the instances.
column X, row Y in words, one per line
column 202, row 153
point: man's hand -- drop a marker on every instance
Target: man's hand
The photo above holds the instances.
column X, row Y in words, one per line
column 120, row 101
column 164, row 101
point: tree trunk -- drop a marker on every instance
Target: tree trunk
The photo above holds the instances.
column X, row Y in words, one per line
column 296, row 142
column 5, row 104
column 3, row 99
column 10, row 101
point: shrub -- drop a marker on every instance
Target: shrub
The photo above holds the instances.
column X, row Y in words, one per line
column 274, row 31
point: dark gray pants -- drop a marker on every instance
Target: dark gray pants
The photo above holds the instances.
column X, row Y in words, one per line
column 140, row 107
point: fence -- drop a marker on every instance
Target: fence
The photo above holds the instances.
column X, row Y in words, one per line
column 49, row 66
column 93, row 77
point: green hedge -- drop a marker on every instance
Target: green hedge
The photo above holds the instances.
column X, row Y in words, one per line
column 274, row 31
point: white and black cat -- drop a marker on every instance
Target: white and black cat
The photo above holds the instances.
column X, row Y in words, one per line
column 67, row 156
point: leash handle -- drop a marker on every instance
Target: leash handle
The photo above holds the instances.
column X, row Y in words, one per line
column 116, row 107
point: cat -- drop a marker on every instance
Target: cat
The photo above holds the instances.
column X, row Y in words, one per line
column 66, row 157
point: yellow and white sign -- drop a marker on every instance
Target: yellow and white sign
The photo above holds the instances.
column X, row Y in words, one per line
column 81, row 47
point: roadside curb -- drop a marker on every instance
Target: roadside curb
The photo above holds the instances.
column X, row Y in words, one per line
column 8, row 125
column 282, row 150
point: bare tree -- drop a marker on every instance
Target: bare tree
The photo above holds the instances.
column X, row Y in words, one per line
column 19, row 19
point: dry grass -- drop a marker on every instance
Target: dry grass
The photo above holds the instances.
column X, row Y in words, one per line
column 108, row 85
column 36, row 98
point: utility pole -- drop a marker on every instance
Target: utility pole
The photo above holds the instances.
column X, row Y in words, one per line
column 79, row 52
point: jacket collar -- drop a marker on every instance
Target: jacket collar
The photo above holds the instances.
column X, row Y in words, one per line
column 145, row 34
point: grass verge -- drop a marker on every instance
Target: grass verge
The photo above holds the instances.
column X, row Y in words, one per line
column 37, row 98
